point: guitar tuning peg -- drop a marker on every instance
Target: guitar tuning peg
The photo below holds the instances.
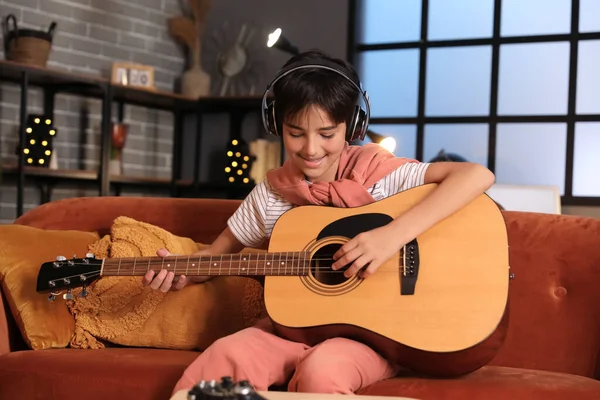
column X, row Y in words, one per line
column 90, row 255
column 61, row 258
column 68, row 295
column 51, row 297
column 83, row 292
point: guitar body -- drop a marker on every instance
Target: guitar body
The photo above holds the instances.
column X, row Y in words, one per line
column 445, row 316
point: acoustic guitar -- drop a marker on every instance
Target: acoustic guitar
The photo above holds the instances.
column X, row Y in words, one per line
column 436, row 307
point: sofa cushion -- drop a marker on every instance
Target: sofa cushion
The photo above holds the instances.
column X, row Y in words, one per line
column 111, row 373
column 24, row 249
column 491, row 383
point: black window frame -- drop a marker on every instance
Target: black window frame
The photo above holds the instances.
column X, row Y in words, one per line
column 492, row 119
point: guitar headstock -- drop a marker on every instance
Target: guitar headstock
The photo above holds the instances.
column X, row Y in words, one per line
column 67, row 274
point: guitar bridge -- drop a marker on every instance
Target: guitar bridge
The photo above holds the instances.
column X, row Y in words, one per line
column 409, row 268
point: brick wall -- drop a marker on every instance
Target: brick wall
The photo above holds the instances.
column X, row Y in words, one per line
column 90, row 35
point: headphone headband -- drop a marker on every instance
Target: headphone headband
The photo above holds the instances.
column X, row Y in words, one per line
column 357, row 129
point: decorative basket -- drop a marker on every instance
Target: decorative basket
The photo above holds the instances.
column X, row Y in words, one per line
column 27, row 46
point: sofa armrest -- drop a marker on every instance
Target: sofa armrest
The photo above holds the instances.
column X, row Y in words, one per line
column 10, row 336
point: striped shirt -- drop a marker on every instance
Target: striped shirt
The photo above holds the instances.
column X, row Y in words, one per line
column 254, row 219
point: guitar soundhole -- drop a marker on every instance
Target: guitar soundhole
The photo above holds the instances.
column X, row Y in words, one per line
column 320, row 266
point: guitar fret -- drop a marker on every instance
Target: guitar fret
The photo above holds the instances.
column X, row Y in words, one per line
column 297, row 265
column 187, row 267
column 209, row 264
column 119, row 267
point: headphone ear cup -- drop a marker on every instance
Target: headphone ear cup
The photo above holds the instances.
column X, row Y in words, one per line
column 357, row 126
column 271, row 124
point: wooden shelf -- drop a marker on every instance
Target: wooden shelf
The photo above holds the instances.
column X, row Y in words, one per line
column 58, row 175
column 93, row 85
column 54, row 81
column 63, row 81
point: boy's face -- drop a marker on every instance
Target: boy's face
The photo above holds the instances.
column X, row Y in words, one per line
column 314, row 142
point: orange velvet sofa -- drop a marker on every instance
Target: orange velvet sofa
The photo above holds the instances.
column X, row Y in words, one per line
column 551, row 349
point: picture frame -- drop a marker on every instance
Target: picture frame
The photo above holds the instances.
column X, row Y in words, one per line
column 131, row 74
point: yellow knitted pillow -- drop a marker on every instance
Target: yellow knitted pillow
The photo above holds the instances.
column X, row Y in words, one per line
column 120, row 310
column 24, row 249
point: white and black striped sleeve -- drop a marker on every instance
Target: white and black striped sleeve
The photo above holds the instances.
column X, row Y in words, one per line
column 407, row 176
column 248, row 222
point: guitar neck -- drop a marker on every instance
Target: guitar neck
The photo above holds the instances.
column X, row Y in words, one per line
column 240, row 264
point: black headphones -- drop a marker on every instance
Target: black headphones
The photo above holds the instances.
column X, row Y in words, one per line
column 357, row 128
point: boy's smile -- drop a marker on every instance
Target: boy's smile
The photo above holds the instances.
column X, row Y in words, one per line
column 314, row 142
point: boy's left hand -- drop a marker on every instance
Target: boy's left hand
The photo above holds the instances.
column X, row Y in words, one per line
column 373, row 247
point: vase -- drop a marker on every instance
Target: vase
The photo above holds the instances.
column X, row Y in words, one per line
column 195, row 82
column 118, row 139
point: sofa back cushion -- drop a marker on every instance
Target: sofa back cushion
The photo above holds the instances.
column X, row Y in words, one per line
column 555, row 295
column 201, row 220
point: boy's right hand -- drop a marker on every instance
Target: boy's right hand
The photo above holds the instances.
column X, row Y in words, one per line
column 165, row 280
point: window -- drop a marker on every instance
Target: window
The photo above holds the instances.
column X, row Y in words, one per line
column 513, row 85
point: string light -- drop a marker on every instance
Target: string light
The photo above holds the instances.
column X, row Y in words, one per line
column 238, row 162
column 38, row 142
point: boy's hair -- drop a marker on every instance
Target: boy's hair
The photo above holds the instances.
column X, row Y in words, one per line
column 316, row 86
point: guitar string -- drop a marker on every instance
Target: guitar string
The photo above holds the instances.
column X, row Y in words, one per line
column 97, row 273
column 206, row 265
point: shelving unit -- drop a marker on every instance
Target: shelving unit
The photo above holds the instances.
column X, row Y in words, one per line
column 55, row 81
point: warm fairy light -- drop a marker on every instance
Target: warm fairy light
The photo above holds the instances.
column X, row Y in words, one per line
column 40, row 137
column 236, row 170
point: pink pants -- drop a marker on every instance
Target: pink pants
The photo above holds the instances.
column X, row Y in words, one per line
column 335, row 366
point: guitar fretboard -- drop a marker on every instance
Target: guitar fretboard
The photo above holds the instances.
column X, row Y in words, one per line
column 249, row 264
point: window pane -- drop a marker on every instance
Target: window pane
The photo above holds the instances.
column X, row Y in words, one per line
column 586, row 163
column 588, row 15
column 469, row 141
column 588, row 79
column 387, row 21
column 405, row 135
column 391, row 78
column 535, row 17
column 534, row 79
column 531, row 154
column 458, row 81
column 460, row 19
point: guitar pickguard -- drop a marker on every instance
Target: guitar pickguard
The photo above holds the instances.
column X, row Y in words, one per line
column 352, row 225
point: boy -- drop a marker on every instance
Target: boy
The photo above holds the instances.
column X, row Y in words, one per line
column 313, row 109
